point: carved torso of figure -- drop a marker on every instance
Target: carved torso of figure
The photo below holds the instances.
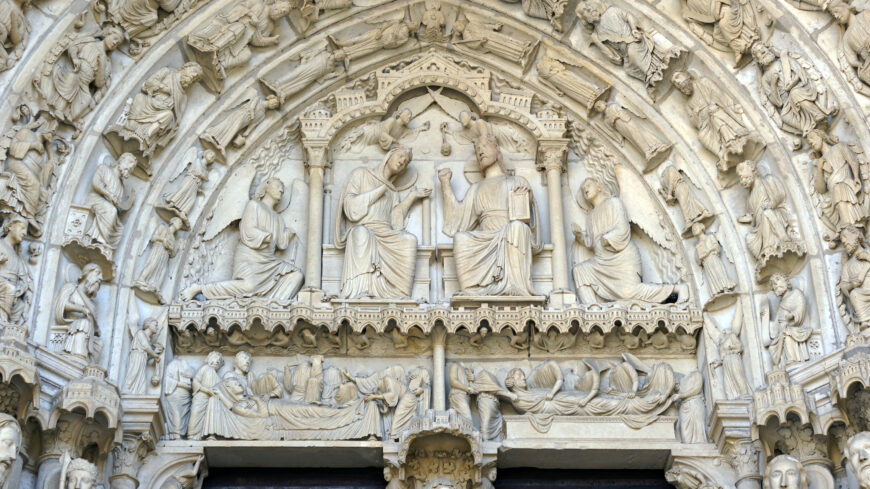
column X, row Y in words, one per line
column 628, row 126
column 773, row 230
column 731, row 352
column 733, row 23
column 107, row 195
column 838, row 171
column 14, row 32
column 16, row 283
column 856, row 44
column 183, row 198
column 75, row 307
column 720, row 125
column 554, row 72
column 855, row 276
column 789, row 334
column 138, row 16
column 26, row 161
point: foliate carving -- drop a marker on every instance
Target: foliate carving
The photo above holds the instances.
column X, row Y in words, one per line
column 800, row 442
column 483, row 269
column 476, row 33
column 258, row 270
column 726, row 25
column 10, row 442
column 74, row 308
column 14, row 33
column 626, row 125
column 614, row 271
column 556, row 74
column 127, row 458
column 235, row 124
column 786, row 330
column 838, row 172
column 774, row 240
column 224, row 42
column 743, row 457
column 150, row 120
column 142, row 350
column 643, row 53
column 16, row 283
column 109, row 197
column 857, row 453
column 794, row 92
column 440, row 468
column 30, row 152
column 786, row 472
column 722, row 127
column 380, row 256
column 77, row 73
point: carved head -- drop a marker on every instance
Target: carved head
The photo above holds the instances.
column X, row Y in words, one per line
column 272, row 102
column 697, row 229
column 280, row 9
column 316, row 360
column 209, row 156
column 112, row 36
column 15, row 229
column 549, row 67
column 405, row 116
column 683, row 81
column 840, row 11
column 465, row 118
column 397, row 161
column 273, row 188
column 599, row 106
column 857, row 453
column 747, row 173
column 81, row 474
column 780, row 284
column 244, row 361
column 590, row 11
column 150, row 325
column 10, row 441
column 176, row 223
column 488, row 154
column 785, row 472
column 459, row 26
column 189, row 74
column 91, row 279
column 817, row 139
column 126, row 162
column 516, row 379
column 214, row 360
column 852, row 239
column 591, row 190
column 763, row 54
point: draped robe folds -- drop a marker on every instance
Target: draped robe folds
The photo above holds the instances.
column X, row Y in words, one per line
column 26, row 163
column 184, row 197
column 311, row 67
column 854, row 279
column 856, row 44
column 614, row 272
column 488, row 388
column 789, row 345
column 155, row 111
column 720, row 129
column 16, row 285
column 791, row 89
column 107, row 191
column 137, row 16
column 81, row 328
column 258, row 271
column 734, row 23
column 137, row 363
column 841, row 170
column 708, row 251
column 644, row 139
column 769, row 216
column 73, row 84
column 379, row 258
column 641, row 57
column 493, row 254
column 249, row 112
column 459, row 399
column 161, row 250
column 732, row 365
column 206, row 378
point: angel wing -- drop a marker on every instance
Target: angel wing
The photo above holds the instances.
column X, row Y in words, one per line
column 233, row 200
column 641, row 208
column 451, row 106
column 189, row 157
column 509, row 137
column 296, row 214
column 132, row 317
column 737, row 321
column 418, row 104
column 712, row 330
column 636, row 363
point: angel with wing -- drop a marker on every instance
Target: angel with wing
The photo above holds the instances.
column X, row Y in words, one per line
column 142, row 350
column 508, row 137
column 388, row 132
column 614, row 272
column 729, row 350
column 258, row 269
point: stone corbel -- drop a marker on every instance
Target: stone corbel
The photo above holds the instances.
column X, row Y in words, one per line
column 18, row 371
column 551, row 160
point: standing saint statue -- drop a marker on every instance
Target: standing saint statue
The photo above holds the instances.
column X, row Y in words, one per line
column 855, row 279
column 205, row 384
column 160, row 250
column 75, row 307
column 730, row 355
column 141, row 351
column 709, row 252
column 380, row 256
column 494, row 228
column 16, row 283
column 838, row 175
column 626, row 125
column 108, row 198
column 614, row 272
column 258, row 270
column 855, row 39
column 179, row 203
column 177, row 387
column 788, row 334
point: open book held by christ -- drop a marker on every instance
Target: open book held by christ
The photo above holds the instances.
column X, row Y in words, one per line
column 519, row 205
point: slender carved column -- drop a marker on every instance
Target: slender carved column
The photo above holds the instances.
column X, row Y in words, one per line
column 439, row 340
column 551, row 159
column 316, row 161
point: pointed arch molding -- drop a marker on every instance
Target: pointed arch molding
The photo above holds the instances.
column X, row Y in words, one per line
column 555, row 117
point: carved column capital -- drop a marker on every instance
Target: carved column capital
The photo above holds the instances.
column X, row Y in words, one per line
column 742, row 455
column 552, row 153
column 127, row 459
column 316, row 153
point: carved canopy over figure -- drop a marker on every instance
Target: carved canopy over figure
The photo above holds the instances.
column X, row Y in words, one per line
column 74, row 306
column 108, row 198
column 855, row 39
column 795, row 93
column 10, row 442
column 14, row 32
column 855, row 279
column 624, row 41
column 258, row 270
column 773, row 235
column 727, row 25
column 74, row 84
column 614, row 271
column 494, row 228
column 628, row 125
column 722, row 128
column 838, row 174
column 151, row 121
column 28, row 171
column 857, row 453
column 235, row 124
column 380, row 256
column 223, row 43
column 785, row 472
column 787, row 332
column 16, row 283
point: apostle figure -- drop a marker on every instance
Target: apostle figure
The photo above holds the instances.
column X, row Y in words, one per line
column 692, row 410
column 855, row 277
column 785, row 472
column 837, row 174
column 380, row 256
column 16, row 283
column 728, row 25
column 160, row 250
column 258, row 270
column 802, row 101
column 494, row 228
column 614, row 271
column 10, row 442
column 857, row 453
column 177, row 389
column 205, row 383
column 108, row 198
column 773, row 234
column 235, row 124
column 141, row 351
column 855, row 41
column 709, row 253
column 788, row 334
column 676, row 189
column 180, row 201
column 75, row 307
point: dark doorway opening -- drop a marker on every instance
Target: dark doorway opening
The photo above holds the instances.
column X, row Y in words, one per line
column 527, row 478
